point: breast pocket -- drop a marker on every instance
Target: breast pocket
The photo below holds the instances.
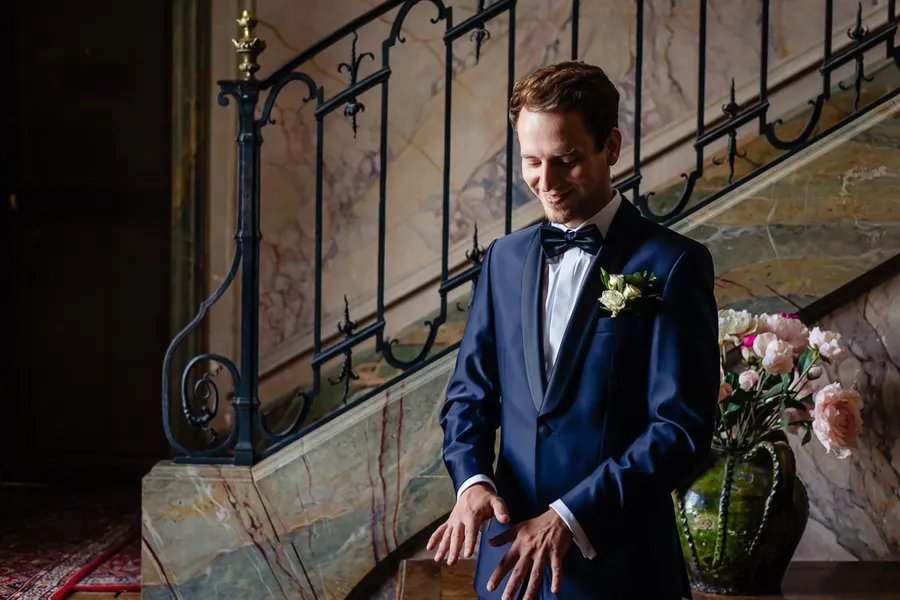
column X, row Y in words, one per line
column 624, row 323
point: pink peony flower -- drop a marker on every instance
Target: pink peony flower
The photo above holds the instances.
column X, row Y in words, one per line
column 787, row 328
column 748, row 340
column 762, row 342
column 837, row 419
column 748, row 380
column 828, row 343
column 725, row 392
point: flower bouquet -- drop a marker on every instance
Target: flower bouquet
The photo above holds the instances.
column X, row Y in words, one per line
column 781, row 385
column 741, row 516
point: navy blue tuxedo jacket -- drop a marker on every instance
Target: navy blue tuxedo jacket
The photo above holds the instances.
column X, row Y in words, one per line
column 626, row 414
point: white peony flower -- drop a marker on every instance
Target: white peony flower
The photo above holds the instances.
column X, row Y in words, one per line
column 734, row 325
column 828, row 343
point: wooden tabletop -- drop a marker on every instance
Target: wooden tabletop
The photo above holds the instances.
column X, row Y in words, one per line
column 423, row 579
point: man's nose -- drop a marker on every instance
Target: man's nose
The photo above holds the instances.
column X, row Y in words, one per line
column 549, row 179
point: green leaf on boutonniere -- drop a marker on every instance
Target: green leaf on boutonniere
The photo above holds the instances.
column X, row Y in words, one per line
column 807, row 437
column 605, row 277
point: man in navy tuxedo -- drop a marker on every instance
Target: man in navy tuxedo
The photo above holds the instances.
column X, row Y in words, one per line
column 601, row 415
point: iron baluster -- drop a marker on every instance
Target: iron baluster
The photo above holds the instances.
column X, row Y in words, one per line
column 383, row 345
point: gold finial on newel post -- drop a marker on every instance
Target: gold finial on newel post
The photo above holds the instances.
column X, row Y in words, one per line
column 249, row 46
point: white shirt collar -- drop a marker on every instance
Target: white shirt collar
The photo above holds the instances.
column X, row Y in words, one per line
column 603, row 219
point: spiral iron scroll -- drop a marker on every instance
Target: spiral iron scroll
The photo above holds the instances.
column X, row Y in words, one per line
column 204, row 384
column 204, row 389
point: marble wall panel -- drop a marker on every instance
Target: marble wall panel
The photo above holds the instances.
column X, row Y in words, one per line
column 855, row 502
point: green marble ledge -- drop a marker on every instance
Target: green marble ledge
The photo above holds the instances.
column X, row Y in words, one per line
column 312, row 520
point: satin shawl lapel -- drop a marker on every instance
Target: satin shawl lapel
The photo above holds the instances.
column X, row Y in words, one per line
column 531, row 319
column 620, row 242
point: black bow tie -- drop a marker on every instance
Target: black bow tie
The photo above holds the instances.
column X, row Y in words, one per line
column 555, row 241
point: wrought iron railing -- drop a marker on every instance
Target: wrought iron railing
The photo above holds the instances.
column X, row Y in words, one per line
column 201, row 407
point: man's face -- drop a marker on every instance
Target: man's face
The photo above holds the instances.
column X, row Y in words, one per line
column 562, row 166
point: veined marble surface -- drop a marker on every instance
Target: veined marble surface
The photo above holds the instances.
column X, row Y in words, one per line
column 855, row 503
column 311, row 521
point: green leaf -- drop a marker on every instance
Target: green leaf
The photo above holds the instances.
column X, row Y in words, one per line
column 805, row 359
column 786, row 380
column 634, row 279
column 731, row 407
column 605, row 277
column 807, row 437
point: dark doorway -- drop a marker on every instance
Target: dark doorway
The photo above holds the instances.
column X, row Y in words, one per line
column 86, row 235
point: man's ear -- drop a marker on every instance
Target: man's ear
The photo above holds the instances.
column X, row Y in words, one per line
column 613, row 146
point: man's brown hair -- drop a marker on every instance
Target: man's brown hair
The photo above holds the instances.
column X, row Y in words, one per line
column 570, row 86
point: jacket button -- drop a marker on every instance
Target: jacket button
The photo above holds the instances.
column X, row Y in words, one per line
column 544, row 431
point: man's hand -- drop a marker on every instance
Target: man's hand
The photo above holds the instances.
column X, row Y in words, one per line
column 535, row 544
column 475, row 506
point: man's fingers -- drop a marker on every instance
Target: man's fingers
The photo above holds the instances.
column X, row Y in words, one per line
column 503, row 567
column 500, row 512
column 445, row 544
column 555, row 572
column 435, row 537
column 517, row 577
column 455, row 542
column 535, row 581
column 471, row 537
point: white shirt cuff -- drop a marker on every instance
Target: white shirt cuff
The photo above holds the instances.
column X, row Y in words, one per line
column 472, row 481
column 581, row 539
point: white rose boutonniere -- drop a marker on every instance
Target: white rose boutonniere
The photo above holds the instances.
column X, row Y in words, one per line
column 623, row 290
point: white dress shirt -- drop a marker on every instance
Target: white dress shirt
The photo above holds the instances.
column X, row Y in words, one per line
column 562, row 281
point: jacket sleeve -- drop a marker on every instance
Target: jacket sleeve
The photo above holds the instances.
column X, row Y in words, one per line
column 682, row 395
column 470, row 415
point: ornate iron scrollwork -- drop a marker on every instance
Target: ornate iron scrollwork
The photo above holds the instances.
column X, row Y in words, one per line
column 347, row 375
column 354, row 106
column 480, row 34
column 731, row 111
column 474, row 256
column 858, row 34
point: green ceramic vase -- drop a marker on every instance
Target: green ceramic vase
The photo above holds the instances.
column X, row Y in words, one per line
column 740, row 518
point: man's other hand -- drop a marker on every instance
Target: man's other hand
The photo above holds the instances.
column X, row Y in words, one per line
column 536, row 544
column 475, row 506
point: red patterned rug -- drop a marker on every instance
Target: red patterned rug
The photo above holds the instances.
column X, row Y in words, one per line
column 52, row 539
column 119, row 572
